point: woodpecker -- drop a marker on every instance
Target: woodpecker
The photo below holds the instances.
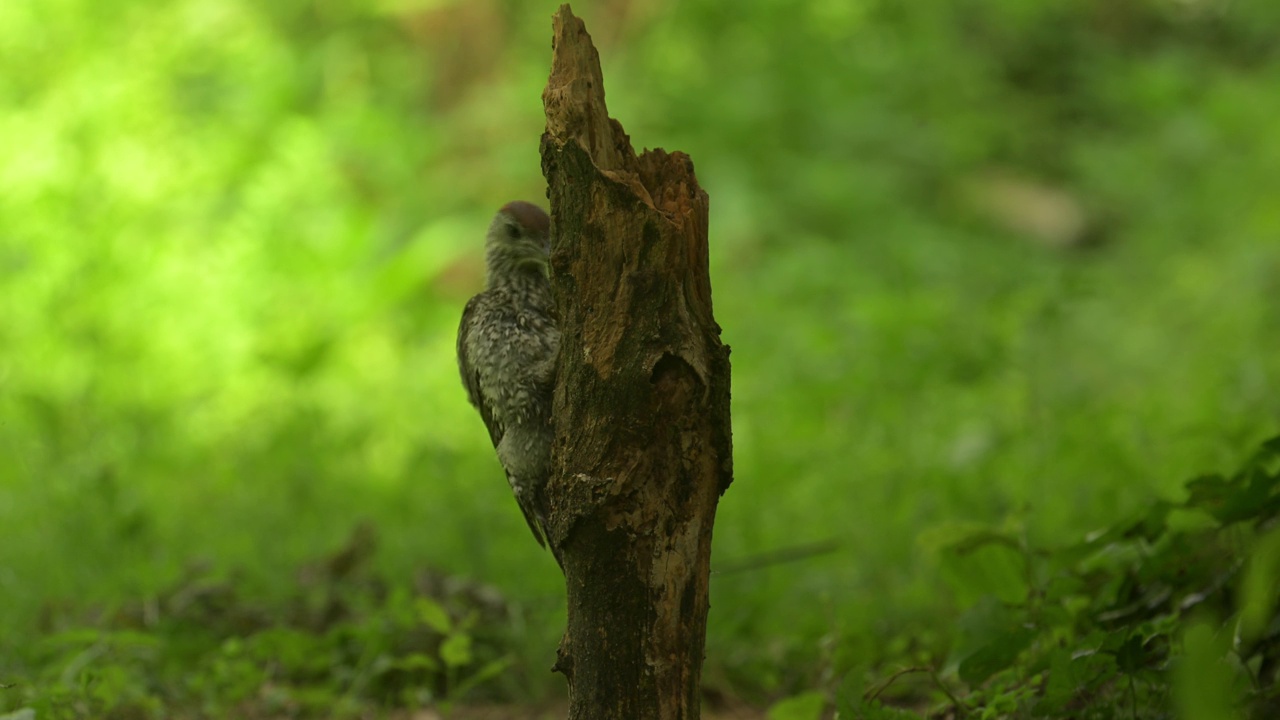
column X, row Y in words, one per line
column 507, row 346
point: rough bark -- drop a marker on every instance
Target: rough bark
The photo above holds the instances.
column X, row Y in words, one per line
column 643, row 449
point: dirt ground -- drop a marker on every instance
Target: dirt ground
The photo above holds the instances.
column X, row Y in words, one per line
column 558, row 712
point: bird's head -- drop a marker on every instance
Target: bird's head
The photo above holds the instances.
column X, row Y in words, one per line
column 518, row 240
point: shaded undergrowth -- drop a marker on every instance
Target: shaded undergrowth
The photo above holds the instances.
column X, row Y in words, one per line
column 343, row 641
column 1173, row 611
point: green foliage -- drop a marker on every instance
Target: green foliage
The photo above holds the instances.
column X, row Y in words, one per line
column 1137, row 621
column 806, row 706
column 345, row 641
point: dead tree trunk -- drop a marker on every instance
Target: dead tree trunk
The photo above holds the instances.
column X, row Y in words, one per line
column 643, row 450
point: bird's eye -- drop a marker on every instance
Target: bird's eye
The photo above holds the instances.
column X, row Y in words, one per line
column 513, row 231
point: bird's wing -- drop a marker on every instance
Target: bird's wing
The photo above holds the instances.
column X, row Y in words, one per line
column 470, row 376
column 534, row 519
column 471, row 381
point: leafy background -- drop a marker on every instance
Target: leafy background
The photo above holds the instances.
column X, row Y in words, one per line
column 989, row 269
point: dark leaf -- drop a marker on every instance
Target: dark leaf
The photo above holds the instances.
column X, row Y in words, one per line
column 997, row 655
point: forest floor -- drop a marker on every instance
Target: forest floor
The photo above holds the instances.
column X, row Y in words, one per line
column 733, row 711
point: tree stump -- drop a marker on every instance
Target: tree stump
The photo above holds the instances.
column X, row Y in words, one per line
column 643, row 446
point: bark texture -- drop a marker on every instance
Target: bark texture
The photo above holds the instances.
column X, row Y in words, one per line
column 643, row 446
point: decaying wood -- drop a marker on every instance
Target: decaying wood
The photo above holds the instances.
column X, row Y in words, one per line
column 643, row 448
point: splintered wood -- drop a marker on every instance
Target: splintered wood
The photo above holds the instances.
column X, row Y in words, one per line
column 643, row 447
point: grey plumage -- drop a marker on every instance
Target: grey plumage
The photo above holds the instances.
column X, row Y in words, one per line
column 507, row 345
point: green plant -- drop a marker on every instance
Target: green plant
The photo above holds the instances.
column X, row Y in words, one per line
column 342, row 641
column 1175, row 609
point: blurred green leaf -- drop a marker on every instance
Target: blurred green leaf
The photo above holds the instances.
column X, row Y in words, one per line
column 412, row 661
column 999, row 653
column 1204, row 685
column 485, row 673
column 456, row 650
column 1250, row 494
column 987, row 563
column 805, row 706
column 1260, row 587
column 433, row 615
